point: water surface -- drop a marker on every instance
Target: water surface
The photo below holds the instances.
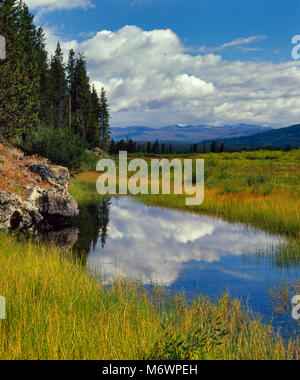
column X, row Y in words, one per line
column 186, row 252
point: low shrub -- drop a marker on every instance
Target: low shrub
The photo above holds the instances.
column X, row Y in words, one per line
column 60, row 145
column 89, row 162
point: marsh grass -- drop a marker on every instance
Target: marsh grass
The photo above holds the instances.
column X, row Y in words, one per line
column 260, row 189
column 283, row 256
column 56, row 310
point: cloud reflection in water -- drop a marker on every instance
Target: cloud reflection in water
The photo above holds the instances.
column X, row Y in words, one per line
column 155, row 244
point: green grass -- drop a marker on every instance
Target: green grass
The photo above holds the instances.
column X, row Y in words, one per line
column 55, row 310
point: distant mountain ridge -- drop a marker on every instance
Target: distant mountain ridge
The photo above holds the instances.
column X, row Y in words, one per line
column 281, row 138
column 188, row 134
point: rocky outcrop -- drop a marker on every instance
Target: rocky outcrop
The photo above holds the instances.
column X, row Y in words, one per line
column 50, row 203
column 57, row 176
column 14, row 213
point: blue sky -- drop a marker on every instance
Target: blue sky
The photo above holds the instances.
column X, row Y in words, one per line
column 212, row 48
column 209, row 23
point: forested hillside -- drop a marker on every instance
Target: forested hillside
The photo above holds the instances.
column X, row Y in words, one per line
column 43, row 97
column 283, row 138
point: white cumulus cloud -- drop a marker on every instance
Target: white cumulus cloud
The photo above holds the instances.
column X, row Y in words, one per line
column 44, row 6
column 152, row 79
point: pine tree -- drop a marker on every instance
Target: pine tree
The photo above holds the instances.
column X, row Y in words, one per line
column 92, row 133
column 71, row 78
column 45, row 114
column 82, row 95
column 19, row 75
column 104, row 219
column 112, row 148
column 149, row 147
column 131, row 147
column 155, row 148
column 58, row 88
column 31, row 62
column 214, row 147
column 222, row 147
column 121, row 146
column 104, row 121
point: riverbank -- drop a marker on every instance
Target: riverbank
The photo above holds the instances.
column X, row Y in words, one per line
column 55, row 310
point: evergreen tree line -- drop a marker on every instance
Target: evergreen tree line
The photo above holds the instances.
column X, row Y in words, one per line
column 69, row 100
column 140, row 147
column 37, row 90
column 156, row 147
column 162, row 148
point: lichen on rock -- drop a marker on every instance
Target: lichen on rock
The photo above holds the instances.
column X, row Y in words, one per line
column 42, row 192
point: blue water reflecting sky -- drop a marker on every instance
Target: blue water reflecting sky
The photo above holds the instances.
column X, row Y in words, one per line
column 184, row 251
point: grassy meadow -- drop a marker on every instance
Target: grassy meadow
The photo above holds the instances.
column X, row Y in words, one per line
column 56, row 310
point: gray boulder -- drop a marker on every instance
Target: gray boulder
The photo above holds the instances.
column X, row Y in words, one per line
column 54, row 204
column 14, row 213
column 51, row 202
column 57, row 176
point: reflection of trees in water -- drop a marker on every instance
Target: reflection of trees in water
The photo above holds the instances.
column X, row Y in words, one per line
column 104, row 219
column 93, row 223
